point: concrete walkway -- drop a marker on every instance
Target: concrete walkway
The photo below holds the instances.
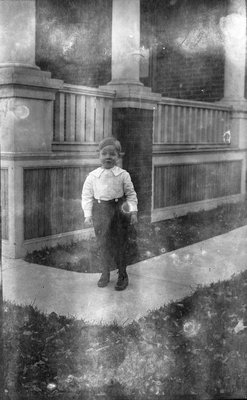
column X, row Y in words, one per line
column 153, row 282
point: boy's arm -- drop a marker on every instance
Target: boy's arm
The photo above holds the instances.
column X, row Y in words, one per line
column 131, row 197
column 133, row 218
column 87, row 199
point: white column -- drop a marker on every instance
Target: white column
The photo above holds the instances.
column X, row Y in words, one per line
column 234, row 30
column 26, row 108
column 26, row 92
column 17, row 33
column 125, row 42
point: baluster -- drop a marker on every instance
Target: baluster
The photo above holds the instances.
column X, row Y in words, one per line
column 189, row 134
column 80, row 119
column 155, row 124
column 200, row 126
column 90, row 115
column 160, row 125
column 168, row 125
column 99, row 128
column 173, row 124
column 177, row 135
column 215, row 115
column 59, row 117
column 206, row 125
column 184, row 124
column 194, row 138
column 70, row 118
column 220, row 128
column 108, row 118
column 210, row 135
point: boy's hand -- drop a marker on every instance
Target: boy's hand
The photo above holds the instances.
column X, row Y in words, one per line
column 133, row 218
column 88, row 222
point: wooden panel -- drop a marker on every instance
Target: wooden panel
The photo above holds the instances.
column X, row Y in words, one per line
column 4, row 204
column 55, row 213
column 41, row 189
column 185, row 183
column 52, row 200
column 31, row 203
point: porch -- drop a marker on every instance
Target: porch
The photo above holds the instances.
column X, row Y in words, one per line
column 183, row 155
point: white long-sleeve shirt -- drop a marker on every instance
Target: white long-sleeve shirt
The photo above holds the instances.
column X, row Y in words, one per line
column 107, row 184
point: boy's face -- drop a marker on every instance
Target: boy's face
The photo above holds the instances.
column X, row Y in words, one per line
column 108, row 156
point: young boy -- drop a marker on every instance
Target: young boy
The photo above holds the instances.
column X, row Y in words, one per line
column 109, row 202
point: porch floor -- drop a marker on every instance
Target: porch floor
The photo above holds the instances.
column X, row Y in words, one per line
column 152, row 283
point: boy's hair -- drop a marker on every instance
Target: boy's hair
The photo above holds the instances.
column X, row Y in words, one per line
column 110, row 141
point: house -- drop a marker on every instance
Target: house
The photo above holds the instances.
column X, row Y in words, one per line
column 165, row 77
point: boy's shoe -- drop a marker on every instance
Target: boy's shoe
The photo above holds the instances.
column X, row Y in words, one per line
column 122, row 281
column 104, row 279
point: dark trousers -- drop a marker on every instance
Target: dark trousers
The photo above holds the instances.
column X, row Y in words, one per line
column 111, row 230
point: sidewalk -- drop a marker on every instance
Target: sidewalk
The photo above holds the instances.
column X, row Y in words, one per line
column 152, row 283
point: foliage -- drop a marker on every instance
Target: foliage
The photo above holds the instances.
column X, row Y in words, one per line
column 194, row 348
column 148, row 240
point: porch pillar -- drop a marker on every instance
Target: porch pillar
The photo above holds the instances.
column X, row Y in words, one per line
column 26, row 92
column 17, row 25
column 134, row 104
column 125, row 42
column 26, row 111
column 234, row 30
column 233, row 27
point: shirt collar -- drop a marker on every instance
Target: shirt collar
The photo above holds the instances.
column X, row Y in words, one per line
column 99, row 171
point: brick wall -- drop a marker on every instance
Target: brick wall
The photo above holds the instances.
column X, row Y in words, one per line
column 187, row 52
column 73, row 40
column 133, row 127
column 197, row 77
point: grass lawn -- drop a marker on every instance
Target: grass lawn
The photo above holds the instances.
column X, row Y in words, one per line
column 148, row 240
column 192, row 349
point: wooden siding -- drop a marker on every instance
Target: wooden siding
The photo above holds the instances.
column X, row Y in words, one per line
column 185, row 183
column 4, row 204
column 52, row 200
column 82, row 115
column 187, row 122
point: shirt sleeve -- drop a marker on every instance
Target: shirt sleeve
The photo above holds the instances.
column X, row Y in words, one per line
column 129, row 192
column 87, row 196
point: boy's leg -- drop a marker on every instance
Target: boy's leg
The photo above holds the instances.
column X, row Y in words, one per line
column 102, row 217
column 121, row 243
column 105, row 261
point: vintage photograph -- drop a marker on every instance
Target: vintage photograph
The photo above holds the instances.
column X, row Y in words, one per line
column 123, row 130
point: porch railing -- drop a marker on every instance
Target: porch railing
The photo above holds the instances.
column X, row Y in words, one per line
column 82, row 115
column 190, row 122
